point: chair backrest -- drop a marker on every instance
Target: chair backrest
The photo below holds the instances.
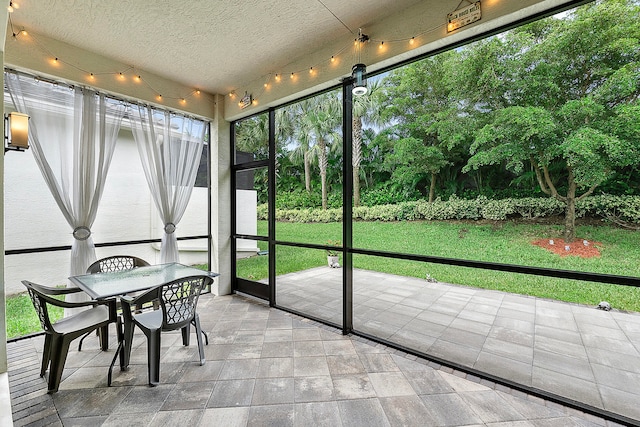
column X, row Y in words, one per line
column 179, row 299
column 116, row 263
column 39, row 300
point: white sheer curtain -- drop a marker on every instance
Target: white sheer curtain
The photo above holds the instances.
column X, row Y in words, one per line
column 72, row 132
column 170, row 147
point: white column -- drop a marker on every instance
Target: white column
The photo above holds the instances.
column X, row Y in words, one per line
column 221, row 199
column 5, row 401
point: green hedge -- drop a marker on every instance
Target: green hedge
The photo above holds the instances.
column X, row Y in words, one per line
column 622, row 208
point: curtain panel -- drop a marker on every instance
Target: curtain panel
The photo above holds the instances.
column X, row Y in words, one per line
column 72, row 132
column 170, row 147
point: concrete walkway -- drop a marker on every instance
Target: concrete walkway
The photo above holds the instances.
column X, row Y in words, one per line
column 266, row 367
column 578, row 352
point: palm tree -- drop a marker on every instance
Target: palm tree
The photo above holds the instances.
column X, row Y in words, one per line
column 366, row 111
column 317, row 129
column 252, row 135
column 302, row 153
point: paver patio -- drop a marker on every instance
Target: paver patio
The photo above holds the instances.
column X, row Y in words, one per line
column 575, row 351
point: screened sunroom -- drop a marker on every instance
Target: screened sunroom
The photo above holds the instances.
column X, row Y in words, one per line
column 452, row 184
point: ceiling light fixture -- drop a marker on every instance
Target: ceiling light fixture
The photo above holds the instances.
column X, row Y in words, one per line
column 359, row 71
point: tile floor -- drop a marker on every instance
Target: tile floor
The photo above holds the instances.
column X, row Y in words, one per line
column 266, row 367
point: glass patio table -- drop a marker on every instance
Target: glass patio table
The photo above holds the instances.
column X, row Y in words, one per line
column 107, row 285
column 114, row 284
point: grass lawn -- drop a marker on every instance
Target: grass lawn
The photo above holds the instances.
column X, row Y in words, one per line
column 505, row 242
column 22, row 318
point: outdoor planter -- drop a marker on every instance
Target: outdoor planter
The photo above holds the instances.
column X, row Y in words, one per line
column 332, row 260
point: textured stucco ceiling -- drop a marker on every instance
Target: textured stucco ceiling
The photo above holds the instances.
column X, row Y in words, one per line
column 210, row 44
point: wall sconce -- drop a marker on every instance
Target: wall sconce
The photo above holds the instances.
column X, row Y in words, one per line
column 16, row 131
column 359, row 75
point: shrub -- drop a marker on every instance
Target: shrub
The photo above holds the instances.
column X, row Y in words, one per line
column 607, row 207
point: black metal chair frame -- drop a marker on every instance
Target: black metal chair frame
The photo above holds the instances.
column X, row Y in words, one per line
column 111, row 264
column 60, row 334
column 178, row 301
column 116, row 263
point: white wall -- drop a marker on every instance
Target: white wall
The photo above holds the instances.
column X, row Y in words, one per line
column 246, row 221
column 126, row 212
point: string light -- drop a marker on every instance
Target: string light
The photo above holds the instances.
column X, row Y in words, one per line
column 277, row 77
column 12, row 6
column 90, row 76
column 359, row 44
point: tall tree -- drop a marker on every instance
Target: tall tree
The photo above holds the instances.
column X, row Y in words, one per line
column 366, row 112
column 572, row 104
column 318, row 128
column 418, row 100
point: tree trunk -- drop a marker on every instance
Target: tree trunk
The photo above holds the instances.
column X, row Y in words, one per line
column 570, row 212
column 324, row 163
column 432, row 188
column 356, row 156
column 307, row 172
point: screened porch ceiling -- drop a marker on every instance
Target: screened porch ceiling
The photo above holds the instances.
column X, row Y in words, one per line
column 224, row 47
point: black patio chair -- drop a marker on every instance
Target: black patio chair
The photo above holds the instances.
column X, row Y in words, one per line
column 116, row 263
column 178, row 301
column 109, row 265
column 58, row 335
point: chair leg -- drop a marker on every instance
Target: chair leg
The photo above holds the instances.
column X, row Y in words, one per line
column 59, row 351
column 82, row 340
column 46, row 354
column 196, row 320
column 153, row 356
column 186, row 334
column 103, row 334
column 127, row 344
column 206, row 337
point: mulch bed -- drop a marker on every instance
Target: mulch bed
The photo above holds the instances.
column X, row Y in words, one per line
column 576, row 248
